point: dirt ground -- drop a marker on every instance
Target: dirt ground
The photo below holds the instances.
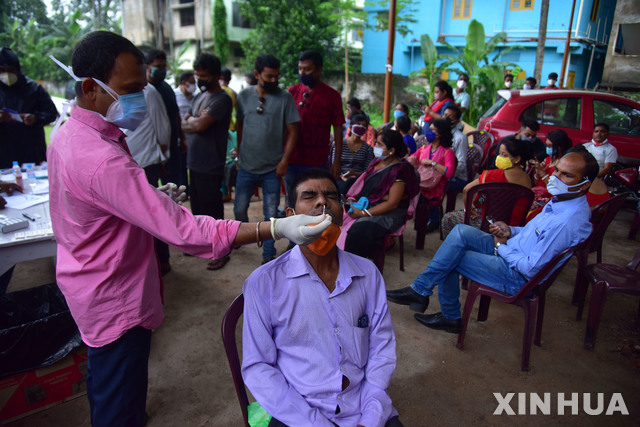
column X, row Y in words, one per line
column 434, row 382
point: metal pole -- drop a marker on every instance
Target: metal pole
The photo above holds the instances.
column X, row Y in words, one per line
column 586, row 80
column 389, row 65
column 566, row 46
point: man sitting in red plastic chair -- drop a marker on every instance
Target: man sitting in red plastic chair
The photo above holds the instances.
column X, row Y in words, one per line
column 318, row 343
column 508, row 257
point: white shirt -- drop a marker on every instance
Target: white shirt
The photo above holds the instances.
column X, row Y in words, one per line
column 154, row 131
column 184, row 103
column 462, row 99
column 604, row 153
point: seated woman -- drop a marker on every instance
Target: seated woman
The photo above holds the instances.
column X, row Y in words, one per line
column 558, row 144
column 510, row 162
column 356, row 155
column 370, row 134
column 442, row 98
column 438, row 155
column 390, row 186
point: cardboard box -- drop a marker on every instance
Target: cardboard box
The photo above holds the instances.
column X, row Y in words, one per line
column 35, row 390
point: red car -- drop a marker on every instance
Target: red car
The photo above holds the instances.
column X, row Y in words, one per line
column 574, row 111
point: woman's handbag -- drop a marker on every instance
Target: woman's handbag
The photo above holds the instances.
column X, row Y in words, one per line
column 429, row 177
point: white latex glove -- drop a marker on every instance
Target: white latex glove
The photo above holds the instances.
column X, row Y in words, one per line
column 176, row 193
column 295, row 228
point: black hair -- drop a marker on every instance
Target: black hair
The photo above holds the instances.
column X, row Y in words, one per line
column 531, row 123
column 532, row 80
column 266, row 61
column 508, row 76
column 313, row 55
column 95, row 56
column 601, row 124
column 404, row 108
column 443, row 126
column 444, row 87
column 8, row 58
column 404, row 123
column 209, row 62
column 455, row 109
column 153, row 54
column 358, row 117
column 185, row 75
column 591, row 167
column 463, row 74
column 553, row 76
column 316, row 173
column 354, row 103
column 560, row 141
column 393, row 139
column 225, row 74
column 517, row 147
column 252, row 79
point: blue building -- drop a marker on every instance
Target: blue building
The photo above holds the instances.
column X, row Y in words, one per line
column 449, row 20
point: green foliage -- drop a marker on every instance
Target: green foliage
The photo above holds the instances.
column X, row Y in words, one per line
column 376, row 118
column 220, row 36
column 486, row 74
column 284, row 28
column 21, row 11
column 431, row 71
column 174, row 63
column 404, row 16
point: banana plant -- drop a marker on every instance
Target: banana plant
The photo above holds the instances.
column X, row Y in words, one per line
column 431, row 70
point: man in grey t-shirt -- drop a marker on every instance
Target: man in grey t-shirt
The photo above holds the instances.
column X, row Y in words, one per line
column 267, row 125
column 207, row 130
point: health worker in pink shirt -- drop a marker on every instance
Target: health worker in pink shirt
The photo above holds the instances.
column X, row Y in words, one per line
column 105, row 215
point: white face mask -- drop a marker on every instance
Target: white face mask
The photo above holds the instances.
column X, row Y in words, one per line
column 461, row 84
column 526, row 87
column 556, row 187
column 191, row 88
column 551, row 82
column 377, row 151
column 9, row 78
column 508, row 84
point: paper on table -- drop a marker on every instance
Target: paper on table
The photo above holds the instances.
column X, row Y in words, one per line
column 42, row 187
column 23, row 201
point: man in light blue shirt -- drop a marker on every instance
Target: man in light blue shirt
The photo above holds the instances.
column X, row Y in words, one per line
column 508, row 257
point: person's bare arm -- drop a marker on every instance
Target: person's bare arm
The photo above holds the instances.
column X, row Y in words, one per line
column 337, row 137
column 290, row 145
column 608, row 167
column 396, row 193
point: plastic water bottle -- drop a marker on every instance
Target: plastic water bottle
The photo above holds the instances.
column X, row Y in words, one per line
column 18, row 174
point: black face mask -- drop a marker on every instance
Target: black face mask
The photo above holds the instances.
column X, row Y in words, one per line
column 204, row 85
column 270, row 87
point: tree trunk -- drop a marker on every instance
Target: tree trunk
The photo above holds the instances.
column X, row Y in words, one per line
column 389, row 71
column 542, row 39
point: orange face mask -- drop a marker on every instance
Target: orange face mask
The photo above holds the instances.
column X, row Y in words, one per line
column 326, row 241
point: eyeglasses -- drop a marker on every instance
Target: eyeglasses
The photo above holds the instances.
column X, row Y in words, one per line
column 304, row 102
column 260, row 108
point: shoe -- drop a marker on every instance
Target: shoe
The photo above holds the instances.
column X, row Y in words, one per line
column 432, row 226
column 407, row 296
column 438, row 321
column 217, row 264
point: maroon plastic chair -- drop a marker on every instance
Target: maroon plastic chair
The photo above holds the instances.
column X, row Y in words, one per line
column 484, row 140
column 601, row 217
column 379, row 256
column 474, row 158
column 229, row 322
column 421, row 216
column 606, row 279
column 531, row 298
column 635, row 224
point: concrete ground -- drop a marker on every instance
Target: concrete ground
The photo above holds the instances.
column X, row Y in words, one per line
column 434, row 382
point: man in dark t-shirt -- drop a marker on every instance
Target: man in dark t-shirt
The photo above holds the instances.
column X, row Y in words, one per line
column 207, row 129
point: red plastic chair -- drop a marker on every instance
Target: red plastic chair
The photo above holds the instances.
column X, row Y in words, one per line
column 422, row 216
column 474, row 159
column 601, row 217
column 531, row 298
column 606, row 279
column 229, row 322
column 378, row 258
column 484, row 140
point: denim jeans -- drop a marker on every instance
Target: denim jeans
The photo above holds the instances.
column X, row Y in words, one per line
column 245, row 185
column 467, row 251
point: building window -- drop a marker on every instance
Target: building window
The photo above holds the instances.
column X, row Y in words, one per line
column 628, row 41
column 238, row 19
column 187, row 13
column 522, row 4
column 595, row 8
column 462, row 9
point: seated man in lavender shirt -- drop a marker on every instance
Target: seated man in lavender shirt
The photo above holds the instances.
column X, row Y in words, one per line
column 318, row 343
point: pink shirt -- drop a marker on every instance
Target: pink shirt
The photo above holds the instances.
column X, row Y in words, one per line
column 104, row 215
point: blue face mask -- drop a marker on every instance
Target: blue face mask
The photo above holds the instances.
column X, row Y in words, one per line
column 128, row 111
column 550, row 151
column 431, row 135
column 397, row 114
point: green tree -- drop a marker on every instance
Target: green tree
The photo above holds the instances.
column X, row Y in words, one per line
column 431, row 71
column 284, row 28
column 21, row 11
column 405, row 15
column 99, row 14
column 29, row 42
column 486, row 73
column 220, row 36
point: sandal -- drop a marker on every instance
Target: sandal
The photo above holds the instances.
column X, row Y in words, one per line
column 217, row 264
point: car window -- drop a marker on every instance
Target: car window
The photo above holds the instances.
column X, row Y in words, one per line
column 494, row 108
column 560, row 112
column 621, row 118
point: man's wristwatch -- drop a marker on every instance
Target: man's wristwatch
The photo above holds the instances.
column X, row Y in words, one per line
column 495, row 248
column 433, row 163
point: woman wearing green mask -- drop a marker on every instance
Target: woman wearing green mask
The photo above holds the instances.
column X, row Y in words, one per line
column 510, row 162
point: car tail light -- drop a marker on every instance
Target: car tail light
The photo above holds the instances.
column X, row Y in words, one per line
column 487, row 126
